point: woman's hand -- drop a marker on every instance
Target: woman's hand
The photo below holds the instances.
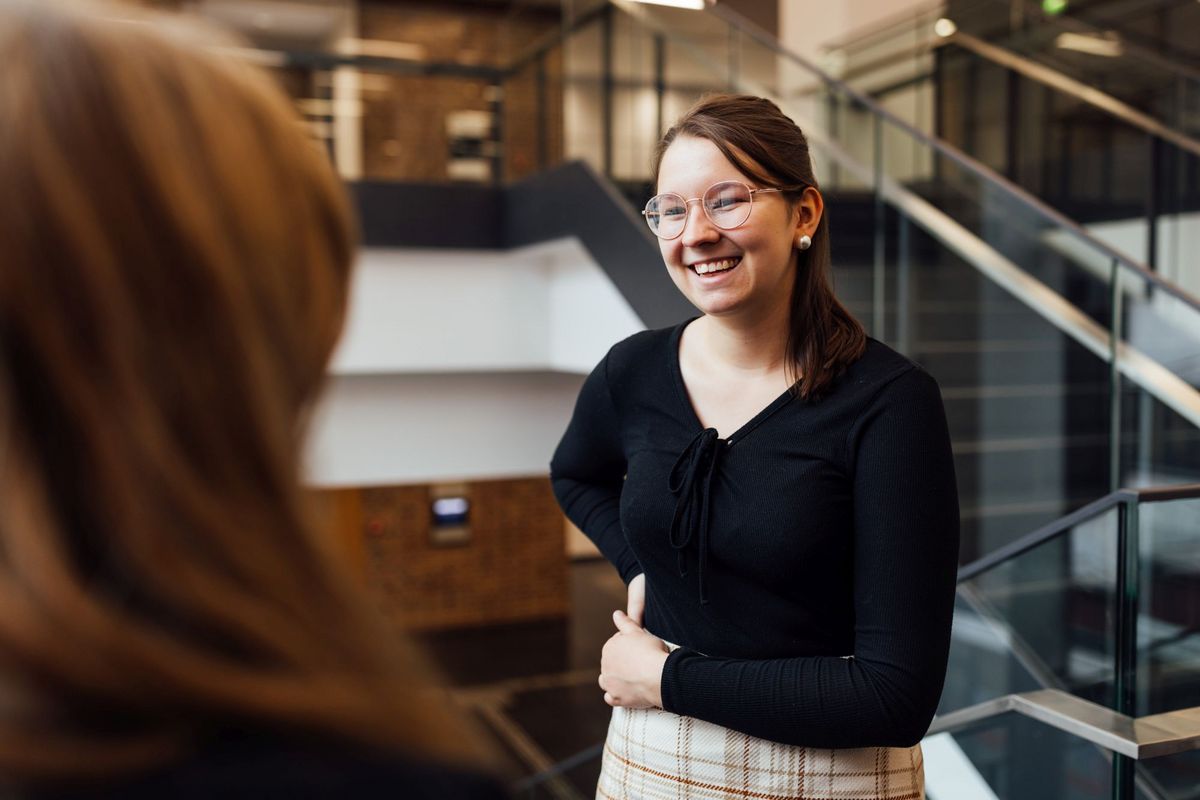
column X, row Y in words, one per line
column 637, row 599
column 631, row 665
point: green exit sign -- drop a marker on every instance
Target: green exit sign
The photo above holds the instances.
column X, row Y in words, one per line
column 1054, row 6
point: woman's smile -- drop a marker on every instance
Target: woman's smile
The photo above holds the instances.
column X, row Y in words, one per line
column 715, row 267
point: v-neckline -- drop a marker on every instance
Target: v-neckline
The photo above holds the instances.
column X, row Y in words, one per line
column 690, row 410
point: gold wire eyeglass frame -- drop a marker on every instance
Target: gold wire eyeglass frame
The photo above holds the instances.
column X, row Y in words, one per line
column 647, row 214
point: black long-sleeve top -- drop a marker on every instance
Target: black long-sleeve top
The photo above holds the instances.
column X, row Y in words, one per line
column 805, row 564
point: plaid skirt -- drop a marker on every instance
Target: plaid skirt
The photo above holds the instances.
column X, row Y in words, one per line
column 651, row 754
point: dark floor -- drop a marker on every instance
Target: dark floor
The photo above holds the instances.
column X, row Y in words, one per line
column 533, row 685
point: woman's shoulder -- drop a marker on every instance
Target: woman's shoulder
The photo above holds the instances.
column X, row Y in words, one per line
column 881, row 370
column 281, row 769
column 645, row 344
column 645, row 353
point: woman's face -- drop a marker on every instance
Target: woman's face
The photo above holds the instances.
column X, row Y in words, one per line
column 755, row 262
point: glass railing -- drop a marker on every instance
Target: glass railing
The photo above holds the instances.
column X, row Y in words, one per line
column 1043, row 618
column 1167, row 660
column 1111, row 54
column 1168, row 663
column 1110, row 137
column 1129, row 175
column 1012, row 757
column 1103, row 605
column 901, row 48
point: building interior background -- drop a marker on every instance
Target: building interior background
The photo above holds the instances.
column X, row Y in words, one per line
column 1014, row 191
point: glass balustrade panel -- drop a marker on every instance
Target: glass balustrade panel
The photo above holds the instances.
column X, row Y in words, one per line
column 1011, row 757
column 1057, row 606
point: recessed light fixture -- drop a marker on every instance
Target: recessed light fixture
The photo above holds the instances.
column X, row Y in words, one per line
column 264, row 58
column 378, row 48
column 694, row 5
column 945, row 28
column 1107, row 45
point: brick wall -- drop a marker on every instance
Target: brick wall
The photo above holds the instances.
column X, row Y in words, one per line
column 513, row 568
column 404, row 118
column 534, row 125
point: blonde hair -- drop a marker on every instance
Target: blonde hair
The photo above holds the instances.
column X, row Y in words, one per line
column 174, row 257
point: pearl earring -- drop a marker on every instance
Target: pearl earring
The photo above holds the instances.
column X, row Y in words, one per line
column 804, row 242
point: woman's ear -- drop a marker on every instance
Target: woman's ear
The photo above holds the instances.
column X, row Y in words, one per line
column 809, row 210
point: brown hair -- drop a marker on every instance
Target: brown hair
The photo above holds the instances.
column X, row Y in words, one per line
column 764, row 144
column 175, row 256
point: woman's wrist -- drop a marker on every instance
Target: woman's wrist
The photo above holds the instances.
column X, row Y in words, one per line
column 657, row 689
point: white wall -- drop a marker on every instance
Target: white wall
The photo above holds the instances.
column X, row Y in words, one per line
column 1163, row 328
column 445, row 311
column 586, row 313
column 546, row 307
column 461, row 364
column 396, row 429
column 1178, row 238
column 809, row 26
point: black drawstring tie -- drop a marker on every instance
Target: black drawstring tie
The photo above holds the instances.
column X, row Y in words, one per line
column 691, row 480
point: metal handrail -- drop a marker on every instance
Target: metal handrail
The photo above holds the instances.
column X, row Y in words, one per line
column 988, row 175
column 1133, row 49
column 1139, row 738
column 570, row 762
column 1149, row 494
column 1046, row 76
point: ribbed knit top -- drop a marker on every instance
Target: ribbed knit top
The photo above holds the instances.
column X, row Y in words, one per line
column 805, row 564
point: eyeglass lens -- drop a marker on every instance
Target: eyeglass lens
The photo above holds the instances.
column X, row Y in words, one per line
column 726, row 204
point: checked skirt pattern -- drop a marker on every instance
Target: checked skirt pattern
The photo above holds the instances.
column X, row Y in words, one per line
column 652, row 754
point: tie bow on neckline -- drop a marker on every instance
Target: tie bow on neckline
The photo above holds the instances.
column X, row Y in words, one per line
column 691, row 481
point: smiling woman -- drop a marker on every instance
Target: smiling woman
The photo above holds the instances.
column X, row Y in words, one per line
column 749, row 473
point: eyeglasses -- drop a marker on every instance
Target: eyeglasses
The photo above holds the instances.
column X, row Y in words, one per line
column 727, row 204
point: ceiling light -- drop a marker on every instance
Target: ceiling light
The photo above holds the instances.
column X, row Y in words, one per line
column 378, row 48
column 694, row 5
column 945, row 28
column 1107, row 45
column 264, row 58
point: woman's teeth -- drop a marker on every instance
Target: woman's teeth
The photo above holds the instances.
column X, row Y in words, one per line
column 716, row 266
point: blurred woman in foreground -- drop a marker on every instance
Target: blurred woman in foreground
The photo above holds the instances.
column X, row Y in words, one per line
column 174, row 255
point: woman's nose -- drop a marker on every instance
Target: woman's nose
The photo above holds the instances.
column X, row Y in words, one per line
column 698, row 228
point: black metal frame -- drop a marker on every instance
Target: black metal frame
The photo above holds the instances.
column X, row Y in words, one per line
column 1121, row 497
